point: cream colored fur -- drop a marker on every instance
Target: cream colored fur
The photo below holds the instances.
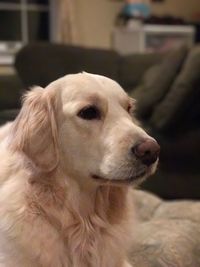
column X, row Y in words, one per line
column 52, row 212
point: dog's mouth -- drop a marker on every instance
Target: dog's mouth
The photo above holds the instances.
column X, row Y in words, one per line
column 137, row 178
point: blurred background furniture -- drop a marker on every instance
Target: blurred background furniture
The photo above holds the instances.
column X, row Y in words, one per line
column 10, row 94
column 140, row 38
column 167, row 86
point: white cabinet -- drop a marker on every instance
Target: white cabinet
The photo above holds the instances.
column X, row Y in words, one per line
column 139, row 38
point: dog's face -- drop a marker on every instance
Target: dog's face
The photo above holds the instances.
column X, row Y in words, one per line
column 84, row 124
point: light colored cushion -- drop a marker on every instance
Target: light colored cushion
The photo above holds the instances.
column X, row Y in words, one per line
column 168, row 235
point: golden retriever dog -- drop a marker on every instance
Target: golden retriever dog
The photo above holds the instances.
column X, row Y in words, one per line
column 68, row 163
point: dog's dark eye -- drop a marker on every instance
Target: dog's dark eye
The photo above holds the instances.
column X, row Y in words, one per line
column 89, row 113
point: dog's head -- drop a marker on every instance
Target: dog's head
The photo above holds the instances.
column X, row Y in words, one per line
column 83, row 124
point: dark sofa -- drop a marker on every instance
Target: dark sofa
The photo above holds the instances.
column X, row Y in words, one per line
column 10, row 92
column 179, row 170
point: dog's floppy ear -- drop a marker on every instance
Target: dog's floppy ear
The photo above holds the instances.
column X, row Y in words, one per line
column 35, row 129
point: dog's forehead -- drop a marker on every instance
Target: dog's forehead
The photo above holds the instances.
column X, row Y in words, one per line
column 86, row 85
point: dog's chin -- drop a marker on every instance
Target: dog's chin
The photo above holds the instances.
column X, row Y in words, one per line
column 135, row 179
column 131, row 180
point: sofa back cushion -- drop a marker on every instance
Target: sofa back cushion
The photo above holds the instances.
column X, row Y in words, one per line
column 40, row 64
column 157, row 81
column 132, row 68
column 181, row 104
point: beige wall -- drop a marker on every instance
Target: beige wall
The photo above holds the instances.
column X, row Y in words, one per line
column 184, row 8
column 95, row 18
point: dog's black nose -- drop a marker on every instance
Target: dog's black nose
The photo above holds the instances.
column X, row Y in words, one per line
column 147, row 151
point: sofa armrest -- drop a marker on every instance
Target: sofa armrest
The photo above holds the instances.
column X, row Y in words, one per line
column 10, row 91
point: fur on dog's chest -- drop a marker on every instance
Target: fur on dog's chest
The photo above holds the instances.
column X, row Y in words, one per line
column 88, row 242
column 87, row 234
column 99, row 237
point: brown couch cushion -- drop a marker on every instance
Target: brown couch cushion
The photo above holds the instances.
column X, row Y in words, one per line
column 133, row 67
column 157, row 81
column 179, row 102
column 42, row 63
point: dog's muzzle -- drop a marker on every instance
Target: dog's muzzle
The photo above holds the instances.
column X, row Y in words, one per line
column 146, row 152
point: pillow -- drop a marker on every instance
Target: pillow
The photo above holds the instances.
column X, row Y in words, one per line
column 132, row 67
column 157, row 81
column 180, row 99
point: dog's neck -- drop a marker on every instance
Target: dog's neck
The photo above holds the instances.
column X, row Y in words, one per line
column 107, row 201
